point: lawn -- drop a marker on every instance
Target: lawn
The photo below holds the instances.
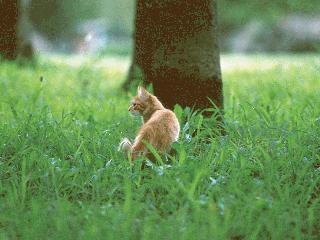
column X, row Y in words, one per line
column 61, row 176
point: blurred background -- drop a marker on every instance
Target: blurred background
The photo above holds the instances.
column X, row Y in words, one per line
column 106, row 26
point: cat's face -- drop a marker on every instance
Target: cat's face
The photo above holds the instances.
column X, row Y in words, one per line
column 139, row 104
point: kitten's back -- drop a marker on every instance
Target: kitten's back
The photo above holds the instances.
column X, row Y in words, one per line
column 161, row 130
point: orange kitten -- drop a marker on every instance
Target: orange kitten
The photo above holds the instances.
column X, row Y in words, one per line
column 160, row 126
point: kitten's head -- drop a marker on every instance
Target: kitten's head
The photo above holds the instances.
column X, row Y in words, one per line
column 144, row 103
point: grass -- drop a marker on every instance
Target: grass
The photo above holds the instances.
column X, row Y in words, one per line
column 62, row 178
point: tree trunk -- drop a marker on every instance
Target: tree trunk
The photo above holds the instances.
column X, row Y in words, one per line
column 176, row 47
column 15, row 29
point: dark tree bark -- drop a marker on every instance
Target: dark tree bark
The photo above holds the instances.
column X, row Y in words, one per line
column 15, row 29
column 176, row 47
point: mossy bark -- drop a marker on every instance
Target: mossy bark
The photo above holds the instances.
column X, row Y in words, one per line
column 176, row 47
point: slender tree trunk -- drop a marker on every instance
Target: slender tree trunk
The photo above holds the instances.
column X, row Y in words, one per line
column 15, row 29
column 8, row 33
column 176, row 47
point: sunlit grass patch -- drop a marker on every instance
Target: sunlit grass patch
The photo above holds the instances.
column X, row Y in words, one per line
column 61, row 176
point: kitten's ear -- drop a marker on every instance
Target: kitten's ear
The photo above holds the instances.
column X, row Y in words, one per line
column 143, row 93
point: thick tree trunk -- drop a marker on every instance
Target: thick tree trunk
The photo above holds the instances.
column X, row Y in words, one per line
column 176, row 47
column 15, row 29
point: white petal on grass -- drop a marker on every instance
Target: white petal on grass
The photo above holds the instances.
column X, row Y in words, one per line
column 160, row 169
column 94, row 177
column 186, row 127
column 53, row 161
column 149, row 164
column 108, row 163
column 188, row 138
column 107, row 131
column 213, row 181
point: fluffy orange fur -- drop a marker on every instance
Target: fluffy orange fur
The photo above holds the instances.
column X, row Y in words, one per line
column 160, row 126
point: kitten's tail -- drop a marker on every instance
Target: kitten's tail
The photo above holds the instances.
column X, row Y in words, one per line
column 125, row 145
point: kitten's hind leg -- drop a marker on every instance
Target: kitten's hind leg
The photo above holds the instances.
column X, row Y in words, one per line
column 125, row 145
column 138, row 149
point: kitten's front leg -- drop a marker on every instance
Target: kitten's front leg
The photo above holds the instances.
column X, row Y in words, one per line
column 125, row 145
